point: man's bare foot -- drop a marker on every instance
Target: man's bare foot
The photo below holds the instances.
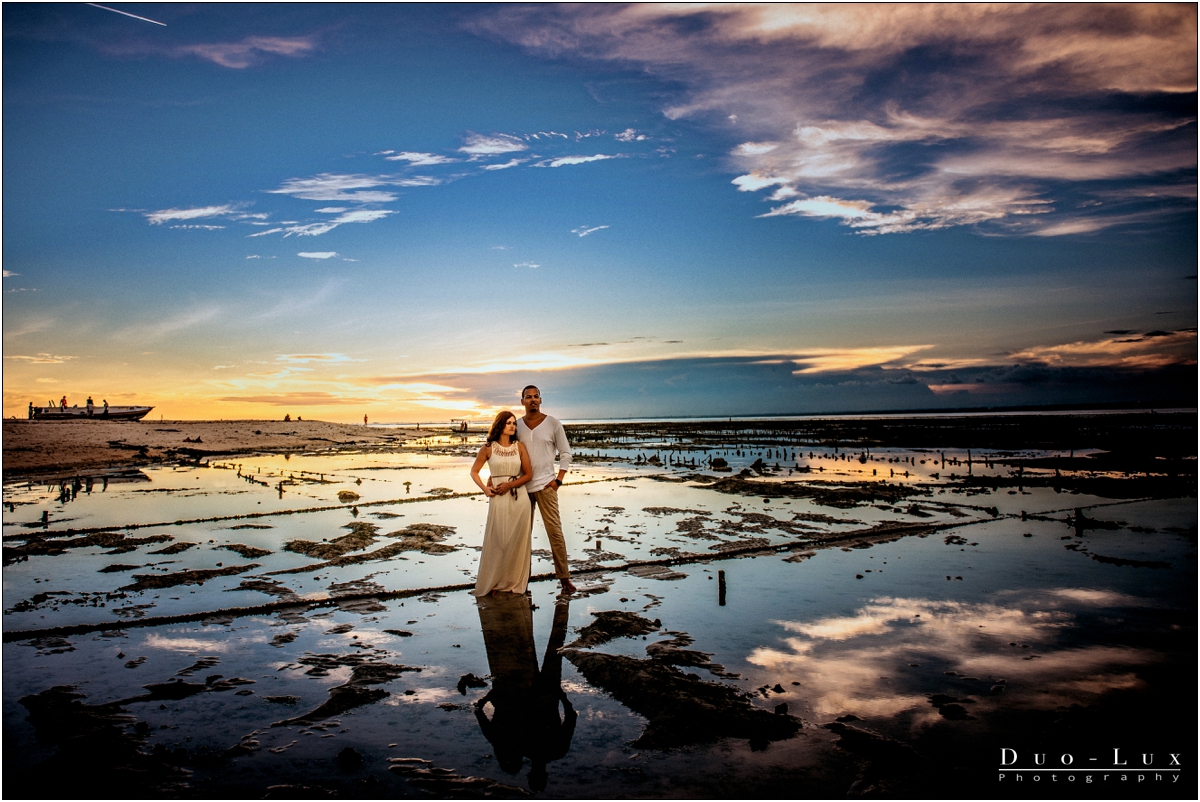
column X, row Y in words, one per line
column 568, row 586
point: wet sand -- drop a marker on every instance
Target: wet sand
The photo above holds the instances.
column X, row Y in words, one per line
column 807, row 619
column 60, row 448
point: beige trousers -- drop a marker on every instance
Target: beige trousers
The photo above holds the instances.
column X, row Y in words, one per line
column 546, row 500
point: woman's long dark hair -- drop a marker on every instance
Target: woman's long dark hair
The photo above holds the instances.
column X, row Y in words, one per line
column 498, row 427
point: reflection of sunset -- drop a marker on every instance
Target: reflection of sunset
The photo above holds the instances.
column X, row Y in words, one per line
column 862, row 664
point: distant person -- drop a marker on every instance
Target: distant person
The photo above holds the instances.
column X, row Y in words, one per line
column 31, row 410
column 504, row 562
column 364, row 420
column 90, row 406
column 287, row 418
column 63, row 403
column 543, row 436
column 106, row 407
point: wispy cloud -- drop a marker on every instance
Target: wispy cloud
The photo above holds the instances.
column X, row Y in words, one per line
column 492, row 145
column 317, row 254
column 1147, row 350
column 249, row 51
column 42, row 359
column 1009, row 117
column 320, row 358
column 9, row 274
column 506, row 165
column 299, row 399
column 167, row 215
column 565, row 161
column 529, row 265
column 337, row 187
column 583, row 231
column 417, row 159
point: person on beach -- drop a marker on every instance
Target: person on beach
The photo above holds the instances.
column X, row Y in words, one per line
column 504, row 563
column 543, row 436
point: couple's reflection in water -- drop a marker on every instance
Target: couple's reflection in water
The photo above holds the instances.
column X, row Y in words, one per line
column 525, row 720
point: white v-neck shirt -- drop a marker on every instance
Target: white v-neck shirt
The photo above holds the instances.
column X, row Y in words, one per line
column 542, row 443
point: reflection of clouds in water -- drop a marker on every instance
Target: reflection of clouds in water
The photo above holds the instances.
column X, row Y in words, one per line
column 430, row 695
column 1090, row 596
column 213, row 645
column 859, row 663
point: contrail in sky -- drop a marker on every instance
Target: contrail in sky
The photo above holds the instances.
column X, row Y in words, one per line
column 126, row 13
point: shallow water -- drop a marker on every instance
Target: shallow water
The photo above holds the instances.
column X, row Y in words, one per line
column 945, row 642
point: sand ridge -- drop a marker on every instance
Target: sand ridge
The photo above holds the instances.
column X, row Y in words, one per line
column 63, row 447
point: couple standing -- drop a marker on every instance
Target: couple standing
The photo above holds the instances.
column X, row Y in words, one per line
column 520, row 455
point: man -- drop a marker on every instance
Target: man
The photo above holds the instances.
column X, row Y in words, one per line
column 543, row 436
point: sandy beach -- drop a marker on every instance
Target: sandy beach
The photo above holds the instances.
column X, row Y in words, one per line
column 60, row 448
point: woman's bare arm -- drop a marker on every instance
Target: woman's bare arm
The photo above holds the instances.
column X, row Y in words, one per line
column 480, row 458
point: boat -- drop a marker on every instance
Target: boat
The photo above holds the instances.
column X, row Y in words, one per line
column 84, row 413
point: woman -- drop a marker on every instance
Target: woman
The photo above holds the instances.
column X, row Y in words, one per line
column 504, row 564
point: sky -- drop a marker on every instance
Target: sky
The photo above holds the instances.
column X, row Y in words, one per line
column 410, row 212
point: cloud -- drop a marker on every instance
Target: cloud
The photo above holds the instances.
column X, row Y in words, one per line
column 629, row 135
column 583, row 231
column 317, row 254
column 249, row 51
column 1014, row 119
column 495, row 144
column 199, row 227
column 337, row 187
column 419, row 159
column 9, row 274
column 506, row 165
column 166, row 215
column 822, row 360
column 42, row 359
column 1150, row 350
column 298, row 399
column 569, row 160
column 265, row 233
column 305, row 358
column 530, row 265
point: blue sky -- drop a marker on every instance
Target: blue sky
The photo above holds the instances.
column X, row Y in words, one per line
column 401, row 211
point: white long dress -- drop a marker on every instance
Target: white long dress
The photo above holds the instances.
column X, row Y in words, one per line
column 504, row 563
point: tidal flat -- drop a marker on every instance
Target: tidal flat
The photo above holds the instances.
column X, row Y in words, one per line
column 813, row 608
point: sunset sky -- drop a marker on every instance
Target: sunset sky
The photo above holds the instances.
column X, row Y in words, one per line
column 410, row 212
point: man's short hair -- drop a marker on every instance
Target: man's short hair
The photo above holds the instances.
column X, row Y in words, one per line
column 529, row 387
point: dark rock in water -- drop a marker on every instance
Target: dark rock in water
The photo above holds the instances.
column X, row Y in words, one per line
column 349, row 759
column 446, row 784
column 470, row 681
column 778, row 688
column 353, row 693
column 400, row 633
column 891, row 764
column 282, row 700
column 681, row 710
column 954, row 712
column 246, row 551
column 1100, row 558
column 193, row 577
column 719, row 462
column 96, row 752
column 282, row 638
column 848, row 717
column 781, row 709
column 174, row 548
column 117, row 568
column 611, row 624
column 175, row 690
